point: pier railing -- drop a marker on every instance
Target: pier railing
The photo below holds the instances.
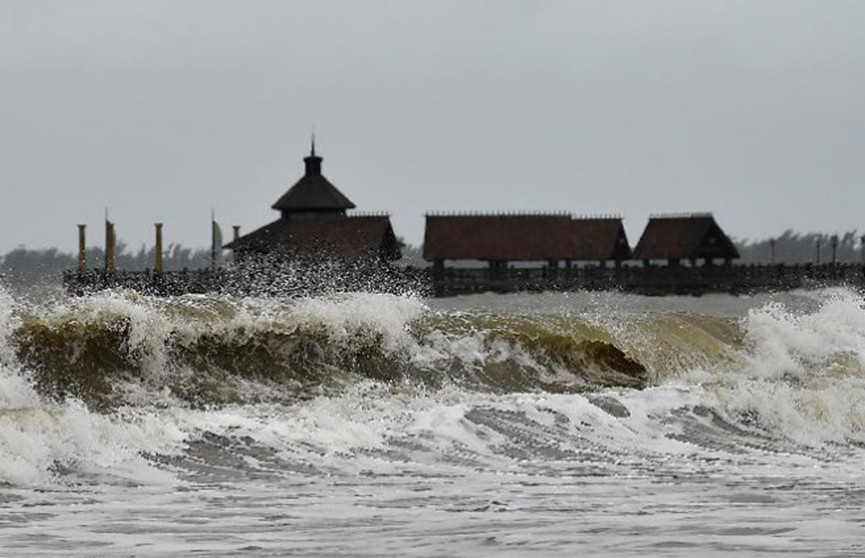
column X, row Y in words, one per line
column 733, row 279
column 655, row 280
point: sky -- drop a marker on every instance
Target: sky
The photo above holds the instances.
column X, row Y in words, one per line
column 162, row 111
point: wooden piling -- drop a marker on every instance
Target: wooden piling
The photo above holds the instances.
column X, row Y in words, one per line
column 82, row 248
column 157, row 266
column 110, row 245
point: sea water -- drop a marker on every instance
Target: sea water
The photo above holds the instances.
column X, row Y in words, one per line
column 369, row 425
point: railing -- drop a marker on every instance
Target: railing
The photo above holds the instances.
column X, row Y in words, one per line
column 276, row 280
column 734, row 279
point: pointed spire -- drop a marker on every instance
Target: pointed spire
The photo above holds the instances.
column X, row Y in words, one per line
column 312, row 161
column 313, row 192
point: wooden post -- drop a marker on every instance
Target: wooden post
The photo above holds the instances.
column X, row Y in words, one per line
column 157, row 266
column 110, row 245
column 439, row 266
column 82, row 248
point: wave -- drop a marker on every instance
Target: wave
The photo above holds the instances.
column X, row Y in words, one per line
column 214, row 350
column 97, row 382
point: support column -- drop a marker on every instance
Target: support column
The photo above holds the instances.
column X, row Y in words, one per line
column 158, row 266
column 82, row 248
column 110, row 245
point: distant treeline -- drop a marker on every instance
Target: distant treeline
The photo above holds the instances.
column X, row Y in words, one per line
column 794, row 248
column 24, row 267
column 27, row 267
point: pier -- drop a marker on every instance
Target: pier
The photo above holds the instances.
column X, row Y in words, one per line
column 651, row 281
column 320, row 245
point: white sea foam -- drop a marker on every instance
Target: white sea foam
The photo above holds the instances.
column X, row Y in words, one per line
column 799, row 378
column 803, row 376
column 40, row 439
column 743, row 456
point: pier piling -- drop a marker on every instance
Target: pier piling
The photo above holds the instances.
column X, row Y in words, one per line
column 157, row 267
column 82, row 248
column 110, row 246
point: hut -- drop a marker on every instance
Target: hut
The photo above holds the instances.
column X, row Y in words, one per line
column 689, row 237
column 600, row 239
column 502, row 238
column 315, row 225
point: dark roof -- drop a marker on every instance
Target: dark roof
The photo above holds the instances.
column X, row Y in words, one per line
column 684, row 237
column 313, row 192
column 600, row 239
column 523, row 238
column 349, row 237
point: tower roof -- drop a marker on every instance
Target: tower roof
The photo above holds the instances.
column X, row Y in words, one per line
column 313, row 192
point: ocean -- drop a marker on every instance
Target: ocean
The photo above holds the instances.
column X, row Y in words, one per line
column 492, row 425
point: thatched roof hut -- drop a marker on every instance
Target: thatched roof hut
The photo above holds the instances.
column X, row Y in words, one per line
column 524, row 237
column 685, row 237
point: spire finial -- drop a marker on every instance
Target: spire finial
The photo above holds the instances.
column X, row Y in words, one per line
column 312, row 142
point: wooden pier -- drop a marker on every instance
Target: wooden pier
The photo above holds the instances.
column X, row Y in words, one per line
column 651, row 281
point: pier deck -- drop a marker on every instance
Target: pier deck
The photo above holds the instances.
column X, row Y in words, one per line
column 653, row 281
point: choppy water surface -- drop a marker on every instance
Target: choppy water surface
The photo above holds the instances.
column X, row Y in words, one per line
column 492, row 425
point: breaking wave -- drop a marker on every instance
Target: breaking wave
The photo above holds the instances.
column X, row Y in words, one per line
column 124, row 382
column 216, row 350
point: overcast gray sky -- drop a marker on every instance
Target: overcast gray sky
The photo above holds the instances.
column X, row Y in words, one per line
column 160, row 110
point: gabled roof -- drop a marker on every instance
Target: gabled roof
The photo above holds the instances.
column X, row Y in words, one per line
column 349, row 237
column 684, row 237
column 600, row 239
column 523, row 238
column 313, row 192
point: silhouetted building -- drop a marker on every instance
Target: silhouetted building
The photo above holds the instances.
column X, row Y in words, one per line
column 600, row 239
column 314, row 225
column 685, row 237
column 499, row 239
